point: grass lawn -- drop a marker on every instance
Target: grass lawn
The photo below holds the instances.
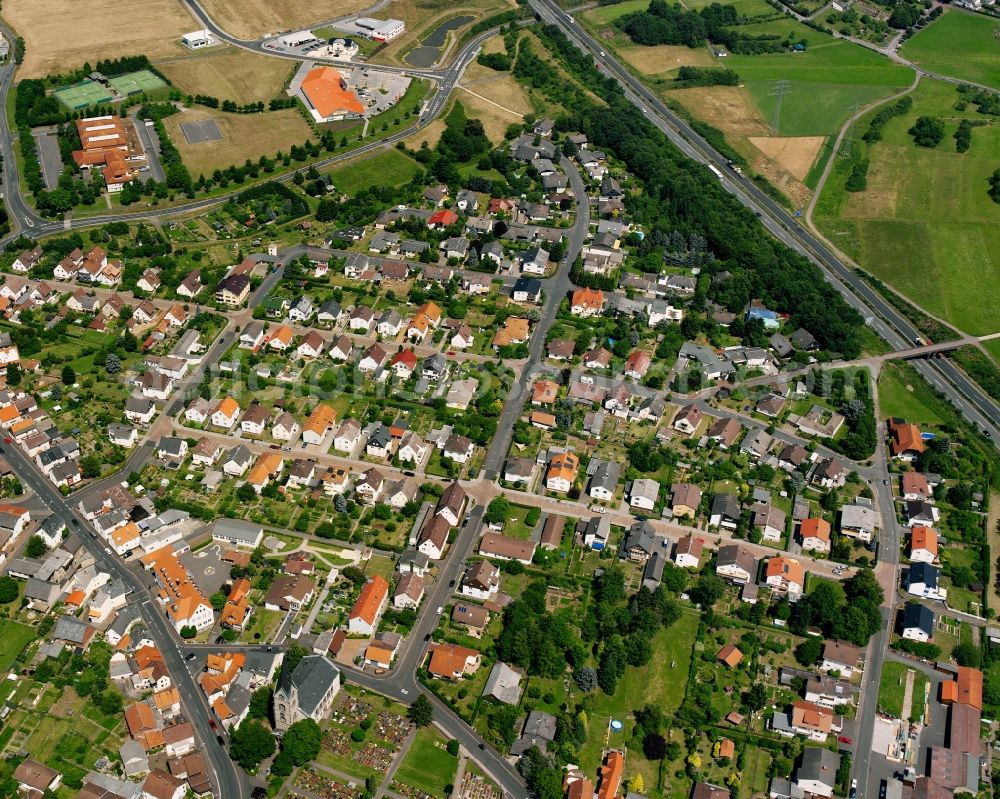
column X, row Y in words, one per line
column 13, row 638
column 892, row 684
column 892, row 688
column 959, row 44
column 662, row 683
column 243, row 136
column 925, row 223
column 427, row 766
column 387, row 167
column 993, row 347
column 902, row 393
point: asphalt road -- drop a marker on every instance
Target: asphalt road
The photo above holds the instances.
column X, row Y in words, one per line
column 230, row 782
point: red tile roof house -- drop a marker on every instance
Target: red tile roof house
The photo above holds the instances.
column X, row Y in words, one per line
column 442, row 218
column 368, row 607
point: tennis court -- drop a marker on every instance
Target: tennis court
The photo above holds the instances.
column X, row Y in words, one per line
column 83, row 95
column 136, row 83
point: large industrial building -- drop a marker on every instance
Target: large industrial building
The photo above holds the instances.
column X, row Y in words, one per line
column 328, row 97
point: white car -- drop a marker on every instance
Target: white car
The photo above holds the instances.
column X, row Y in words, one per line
column 438, row 611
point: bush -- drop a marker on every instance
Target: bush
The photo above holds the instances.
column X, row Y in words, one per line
column 927, row 131
column 357, row 735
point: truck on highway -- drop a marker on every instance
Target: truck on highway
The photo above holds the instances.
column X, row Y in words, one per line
column 715, row 171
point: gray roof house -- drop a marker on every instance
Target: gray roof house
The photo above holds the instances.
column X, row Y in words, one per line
column 503, row 684
column 306, row 692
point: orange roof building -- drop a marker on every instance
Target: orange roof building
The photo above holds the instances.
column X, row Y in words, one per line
column 815, row 533
column 949, row 692
column 730, row 655
column 544, row 392
column 610, row 775
column 580, row 789
column 586, row 302
column 318, row 424
column 906, row 440
column 185, row 604
column 268, row 465
column 329, row 99
column 369, row 605
column 104, row 143
column 562, row 471
column 923, row 543
column 970, row 687
column 515, row 330
column 450, row 661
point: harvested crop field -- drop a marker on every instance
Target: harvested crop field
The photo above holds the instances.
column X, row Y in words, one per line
column 229, row 74
column 243, row 136
column 728, row 108
column 664, row 58
column 251, row 19
column 796, row 154
column 58, row 37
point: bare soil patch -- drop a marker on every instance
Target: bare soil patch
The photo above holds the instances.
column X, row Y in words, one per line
column 60, row 35
column 229, row 74
column 796, row 154
column 251, row 19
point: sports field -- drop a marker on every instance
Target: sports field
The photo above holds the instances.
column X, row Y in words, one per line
column 59, row 36
column 136, row 82
column 229, row 74
column 925, row 224
column 960, row 44
column 244, row 136
column 82, row 95
column 251, row 19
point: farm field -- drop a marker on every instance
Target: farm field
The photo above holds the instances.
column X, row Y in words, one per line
column 254, row 18
column 57, row 40
column 959, row 44
column 228, row 74
column 924, row 224
column 823, row 85
column 391, row 166
column 244, row 136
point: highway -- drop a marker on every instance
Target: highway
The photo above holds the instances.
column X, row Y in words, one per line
column 229, row 781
